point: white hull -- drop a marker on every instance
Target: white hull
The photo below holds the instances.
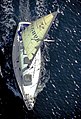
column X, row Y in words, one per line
column 27, row 87
column 28, row 77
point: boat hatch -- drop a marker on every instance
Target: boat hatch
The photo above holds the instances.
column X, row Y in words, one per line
column 27, row 79
column 26, row 60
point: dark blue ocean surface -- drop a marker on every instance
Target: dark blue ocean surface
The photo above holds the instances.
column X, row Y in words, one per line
column 61, row 96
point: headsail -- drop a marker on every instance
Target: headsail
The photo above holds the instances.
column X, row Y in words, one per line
column 35, row 33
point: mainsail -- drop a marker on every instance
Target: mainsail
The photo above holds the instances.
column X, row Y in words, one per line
column 35, row 33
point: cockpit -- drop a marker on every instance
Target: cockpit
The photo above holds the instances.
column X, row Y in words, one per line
column 27, row 79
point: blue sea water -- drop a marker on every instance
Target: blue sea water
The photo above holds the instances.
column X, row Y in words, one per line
column 61, row 96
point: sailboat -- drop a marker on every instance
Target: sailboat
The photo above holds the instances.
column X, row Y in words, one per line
column 26, row 55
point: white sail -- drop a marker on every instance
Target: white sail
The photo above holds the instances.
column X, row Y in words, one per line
column 35, row 33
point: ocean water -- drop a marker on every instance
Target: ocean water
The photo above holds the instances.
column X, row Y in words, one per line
column 61, row 95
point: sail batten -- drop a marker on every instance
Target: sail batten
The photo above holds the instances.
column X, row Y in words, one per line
column 35, row 33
